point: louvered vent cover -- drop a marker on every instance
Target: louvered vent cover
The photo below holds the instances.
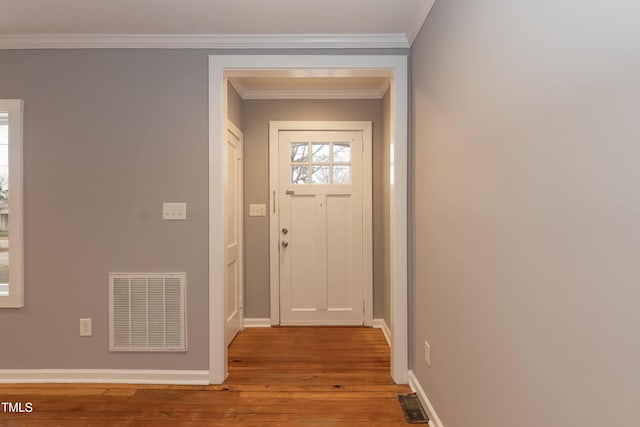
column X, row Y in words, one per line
column 147, row 312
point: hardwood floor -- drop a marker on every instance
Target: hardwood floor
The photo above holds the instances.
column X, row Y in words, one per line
column 277, row 377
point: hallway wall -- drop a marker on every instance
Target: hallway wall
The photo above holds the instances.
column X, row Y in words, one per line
column 527, row 212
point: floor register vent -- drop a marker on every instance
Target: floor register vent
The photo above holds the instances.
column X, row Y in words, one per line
column 147, row 312
column 413, row 411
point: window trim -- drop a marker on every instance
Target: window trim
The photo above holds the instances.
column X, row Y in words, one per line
column 15, row 110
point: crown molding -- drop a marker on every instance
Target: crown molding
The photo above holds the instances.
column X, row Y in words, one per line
column 203, row 41
column 418, row 21
column 312, row 94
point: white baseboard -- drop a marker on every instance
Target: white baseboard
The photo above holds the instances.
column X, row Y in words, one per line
column 434, row 420
column 257, row 323
column 382, row 324
column 95, row 376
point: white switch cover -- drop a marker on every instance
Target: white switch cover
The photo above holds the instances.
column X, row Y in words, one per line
column 257, row 210
column 85, row 327
column 174, row 211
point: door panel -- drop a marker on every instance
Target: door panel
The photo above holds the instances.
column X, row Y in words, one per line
column 340, row 257
column 303, row 296
column 321, row 254
column 233, row 237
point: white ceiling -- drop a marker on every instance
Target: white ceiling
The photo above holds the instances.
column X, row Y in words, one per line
column 332, row 21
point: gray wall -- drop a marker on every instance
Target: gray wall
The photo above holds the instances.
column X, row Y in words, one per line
column 256, row 116
column 527, row 212
column 108, row 136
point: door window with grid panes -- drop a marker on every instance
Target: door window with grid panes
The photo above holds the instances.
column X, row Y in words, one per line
column 320, row 163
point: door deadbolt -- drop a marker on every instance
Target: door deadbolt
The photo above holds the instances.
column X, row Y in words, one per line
column 285, row 244
column 285, row 231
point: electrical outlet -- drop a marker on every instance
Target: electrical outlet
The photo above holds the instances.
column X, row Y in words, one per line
column 174, row 211
column 85, row 327
column 427, row 353
column 258, row 210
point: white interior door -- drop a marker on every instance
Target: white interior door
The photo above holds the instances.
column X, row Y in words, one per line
column 233, row 279
column 321, row 227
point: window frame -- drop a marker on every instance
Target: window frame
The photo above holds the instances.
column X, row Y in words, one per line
column 15, row 110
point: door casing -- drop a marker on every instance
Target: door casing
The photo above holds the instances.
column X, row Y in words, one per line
column 395, row 67
column 367, row 217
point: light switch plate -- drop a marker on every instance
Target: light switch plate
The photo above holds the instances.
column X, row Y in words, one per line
column 85, row 327
column 174, row 211
column 258, row 210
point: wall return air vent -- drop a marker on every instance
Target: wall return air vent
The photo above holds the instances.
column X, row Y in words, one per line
column 147, row 312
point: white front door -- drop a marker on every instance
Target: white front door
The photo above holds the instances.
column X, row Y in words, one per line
column 233, row 235
column 321, row 227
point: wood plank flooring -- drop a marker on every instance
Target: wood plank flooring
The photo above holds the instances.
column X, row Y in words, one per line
column 277, row 377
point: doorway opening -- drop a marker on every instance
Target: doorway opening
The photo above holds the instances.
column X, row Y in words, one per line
column 393, row 67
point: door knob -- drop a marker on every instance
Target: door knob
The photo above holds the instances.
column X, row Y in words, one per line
column 285, row 244
column 285, row 231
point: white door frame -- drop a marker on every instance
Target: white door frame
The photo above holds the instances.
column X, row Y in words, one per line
column 221, row 67
column 367, row 206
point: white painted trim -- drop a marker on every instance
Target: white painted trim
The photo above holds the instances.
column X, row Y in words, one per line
column 95, row 376
column 382, row 324
column 306, row 72
column 217, row 173
column 395, row 66
column 234, row 129
column 262, row 322
column 414, row 383
column 15, row 110
column 312, row 94
column 398, row 250
column 202, row 41
column 367, row 222
column 367, row 207
column 419, row 19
